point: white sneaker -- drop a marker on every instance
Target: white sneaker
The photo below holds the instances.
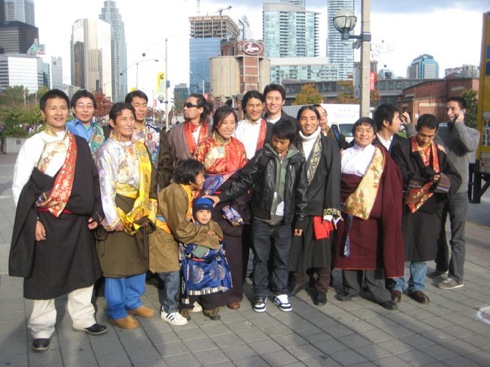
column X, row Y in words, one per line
column 197, row 307
column 282, row 301
column 173, row 318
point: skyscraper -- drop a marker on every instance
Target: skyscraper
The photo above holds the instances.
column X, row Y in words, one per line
column 338, row 51
column 110, row 14
column 91, row 66
column 423, row 67
column 17, row 30
column 207, row 32
column 20, row 10
column 289, row 30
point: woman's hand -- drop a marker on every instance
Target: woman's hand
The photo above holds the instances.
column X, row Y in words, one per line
column 40, row 233
column 214, row 198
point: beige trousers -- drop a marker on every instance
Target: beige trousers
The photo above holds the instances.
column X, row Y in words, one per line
column 79, row 306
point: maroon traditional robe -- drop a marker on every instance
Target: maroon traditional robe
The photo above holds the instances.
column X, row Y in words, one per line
column 375, row 243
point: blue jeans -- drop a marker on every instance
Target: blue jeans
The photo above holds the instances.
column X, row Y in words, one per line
column 169, row 295
column 418, row 270
column 266, row 236
column 123, row 294
column 457, row 208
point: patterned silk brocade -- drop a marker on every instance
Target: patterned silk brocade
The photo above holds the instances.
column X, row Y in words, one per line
column 56, row 199
column 143, row 205
column 361, row 201
column 96, row 139
column 221, row 156
column 417, row 196
column 151, row 138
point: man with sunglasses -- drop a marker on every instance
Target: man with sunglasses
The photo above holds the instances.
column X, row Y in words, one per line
column 184, row 138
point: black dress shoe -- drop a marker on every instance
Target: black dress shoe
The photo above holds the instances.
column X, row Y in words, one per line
column 40, row 345
column 389, row 305
column 344, row 297
column 296, row 288
column 396, row 296
column 96, row 329
column 419, row 296
column 319, row 298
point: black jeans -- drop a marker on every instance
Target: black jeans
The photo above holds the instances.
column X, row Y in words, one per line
column 266, row 236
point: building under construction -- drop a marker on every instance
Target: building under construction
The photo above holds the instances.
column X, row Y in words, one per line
column 214, row 26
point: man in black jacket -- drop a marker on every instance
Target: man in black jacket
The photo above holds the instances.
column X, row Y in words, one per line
column 278, row 178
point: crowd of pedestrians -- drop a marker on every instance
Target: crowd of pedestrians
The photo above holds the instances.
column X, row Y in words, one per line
column 283, row 200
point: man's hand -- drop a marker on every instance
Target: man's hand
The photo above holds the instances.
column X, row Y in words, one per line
column 92, row 224
column 298, row 232
column 119, row 227
column 40, row 234
column 405, row 118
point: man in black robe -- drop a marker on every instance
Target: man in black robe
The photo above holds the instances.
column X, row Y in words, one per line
column 428, row 180
column 56, row 189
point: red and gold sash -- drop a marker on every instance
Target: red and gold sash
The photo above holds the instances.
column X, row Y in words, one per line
column 417, row 196
column 262, row 133
column 361, row 201
column 56, row 199
column 190, row 128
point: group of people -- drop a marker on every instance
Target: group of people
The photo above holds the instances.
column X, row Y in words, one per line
column 196, row 204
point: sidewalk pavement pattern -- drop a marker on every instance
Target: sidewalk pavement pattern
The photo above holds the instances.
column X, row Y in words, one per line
column 450, row 331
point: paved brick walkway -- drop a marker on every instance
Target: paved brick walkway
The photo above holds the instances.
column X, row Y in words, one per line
column 450, row 331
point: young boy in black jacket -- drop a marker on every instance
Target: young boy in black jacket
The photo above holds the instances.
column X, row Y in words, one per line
column 277, row 176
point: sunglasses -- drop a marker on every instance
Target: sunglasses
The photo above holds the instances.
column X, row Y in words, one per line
column 190, row 105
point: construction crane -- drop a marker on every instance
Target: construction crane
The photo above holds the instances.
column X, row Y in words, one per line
column 223, row 9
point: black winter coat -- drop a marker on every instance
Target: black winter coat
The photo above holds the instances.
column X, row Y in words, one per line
column 260, row 175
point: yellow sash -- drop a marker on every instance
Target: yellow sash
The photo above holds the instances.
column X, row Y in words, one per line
column 361, row 201
column 143, row 206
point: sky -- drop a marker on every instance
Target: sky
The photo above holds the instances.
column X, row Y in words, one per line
column 448, row 30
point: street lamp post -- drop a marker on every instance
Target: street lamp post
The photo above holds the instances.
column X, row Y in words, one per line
column 137, row 63
column 345, row 21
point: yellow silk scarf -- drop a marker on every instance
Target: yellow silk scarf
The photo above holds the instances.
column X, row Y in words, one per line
column 361, row 201
column 143, row 206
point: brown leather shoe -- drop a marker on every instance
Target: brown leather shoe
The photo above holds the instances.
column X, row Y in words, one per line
column 125, row 323
column 419, row 296
column 143, row 311
column 234, row 305
column 212, row 313
column 396, row 296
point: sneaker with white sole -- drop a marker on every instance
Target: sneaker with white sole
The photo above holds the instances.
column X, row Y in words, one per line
column 282, row 301
column 260, row 304
column 449, row 283
column 173, row 318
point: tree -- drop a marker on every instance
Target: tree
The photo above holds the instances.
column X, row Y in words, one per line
column 470, row 117
column 308, row 95
column 346, row 95
column 13, row 96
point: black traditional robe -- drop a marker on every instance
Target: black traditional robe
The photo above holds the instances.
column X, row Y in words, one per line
column 421, row 228
column 323, row 193
column 67, row 259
